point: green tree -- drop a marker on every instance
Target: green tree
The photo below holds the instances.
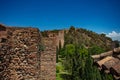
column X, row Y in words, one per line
column 74, row 58
column 95, row 50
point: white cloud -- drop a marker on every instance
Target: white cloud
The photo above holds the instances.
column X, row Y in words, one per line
column 114, row 35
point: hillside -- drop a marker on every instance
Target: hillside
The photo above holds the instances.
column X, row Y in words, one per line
column 83, row 37
column 87, row 38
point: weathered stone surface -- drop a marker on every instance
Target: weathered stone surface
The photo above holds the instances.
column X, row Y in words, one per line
column 21, row 57
column 19, row 54
column 48, row 56
column 48, row 60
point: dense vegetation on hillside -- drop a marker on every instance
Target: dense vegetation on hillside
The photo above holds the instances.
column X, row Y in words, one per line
column 87, row 38
column 74, row 61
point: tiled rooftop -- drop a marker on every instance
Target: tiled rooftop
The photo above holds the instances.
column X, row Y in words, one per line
column 109, row 62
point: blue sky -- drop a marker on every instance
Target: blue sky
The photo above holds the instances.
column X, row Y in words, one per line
column 96, row 15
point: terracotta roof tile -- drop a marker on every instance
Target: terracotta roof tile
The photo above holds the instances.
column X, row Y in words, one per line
column 115, row 69
column 109, row 62
column 104, row 60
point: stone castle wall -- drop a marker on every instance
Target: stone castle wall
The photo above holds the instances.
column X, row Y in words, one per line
column 48, row 59
column 48, row 56
column 60, row 38
column 19, row 53
column 21, row 57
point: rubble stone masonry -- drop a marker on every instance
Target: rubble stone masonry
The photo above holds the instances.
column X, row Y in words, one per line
column 19, row 53
column 48, row 56
column 21, row 57
column 48, row 60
